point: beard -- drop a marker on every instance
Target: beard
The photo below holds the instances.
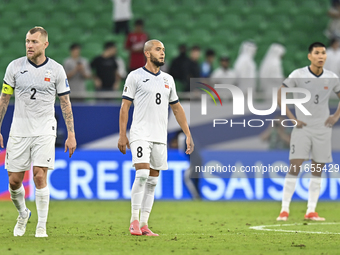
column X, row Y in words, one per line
column 35, row 56
column 155, row 61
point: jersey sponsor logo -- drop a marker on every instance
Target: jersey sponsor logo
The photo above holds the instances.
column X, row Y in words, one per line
column 307, row 82
column 326, row 87
column 146, row 80
column 66, row 83
column 47, row 79
column 166, row 86
column 25, row 71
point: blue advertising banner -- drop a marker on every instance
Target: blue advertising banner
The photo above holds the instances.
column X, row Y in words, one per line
column 108, row 174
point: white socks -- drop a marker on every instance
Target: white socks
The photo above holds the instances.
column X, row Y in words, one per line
column 18, row 198
column 314, row 192
column 288, row 191
column 137, row 192
column 42, row 200
column 149, row 196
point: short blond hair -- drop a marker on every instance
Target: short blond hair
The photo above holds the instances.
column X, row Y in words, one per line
column 148, row 45
column 42, row 31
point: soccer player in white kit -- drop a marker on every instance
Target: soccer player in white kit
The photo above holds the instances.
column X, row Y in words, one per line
column 35, row 81
column 311, row 137
column 151, row 91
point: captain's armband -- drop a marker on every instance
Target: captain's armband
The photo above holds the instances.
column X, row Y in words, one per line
column 6, row 89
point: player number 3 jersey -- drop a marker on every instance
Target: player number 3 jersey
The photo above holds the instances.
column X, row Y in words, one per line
column 151, row 94
column 35, row 89
column 320, row 88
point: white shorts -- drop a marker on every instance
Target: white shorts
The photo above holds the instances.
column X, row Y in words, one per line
column 313, row 144
column 152, row 153
column 21, row 152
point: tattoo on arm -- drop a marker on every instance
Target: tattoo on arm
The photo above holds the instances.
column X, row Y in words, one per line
column 4, row 101
column 66, row 109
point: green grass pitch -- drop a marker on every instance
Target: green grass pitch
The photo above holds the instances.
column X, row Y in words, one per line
column 185, row 227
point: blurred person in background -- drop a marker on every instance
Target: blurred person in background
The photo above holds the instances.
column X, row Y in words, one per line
column 333, row 29
column 194, row 66
column 77, row 69
column 207, row 65
column 134, row 44
column 121, row 16
column 179, row 68
column 245, row 66
column 333, row 57
column 271, row 70
column 105, row 66
column 224, row 70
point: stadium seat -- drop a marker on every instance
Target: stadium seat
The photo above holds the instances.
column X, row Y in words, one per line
column 63, row 19
column 85, row 20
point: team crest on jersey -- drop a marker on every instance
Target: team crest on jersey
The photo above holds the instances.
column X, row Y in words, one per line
column 48, row 75
column 166, row 82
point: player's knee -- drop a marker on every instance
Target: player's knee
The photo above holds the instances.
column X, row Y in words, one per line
column 152, row 181
column 39, row 179
column 14, row 183
column 142, row 176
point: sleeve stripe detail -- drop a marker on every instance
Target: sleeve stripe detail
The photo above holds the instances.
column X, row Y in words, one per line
column 63, row 94
column 5, row 82
column 337, row 92
column 174, row 102
column 284, row 85
column 7, row 89
column 127, row 98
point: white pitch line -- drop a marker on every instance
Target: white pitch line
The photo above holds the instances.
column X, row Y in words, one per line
column 265, row 228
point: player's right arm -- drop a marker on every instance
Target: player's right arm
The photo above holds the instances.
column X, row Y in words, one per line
column 290, row 115
column 6, row 94
column 123, row 141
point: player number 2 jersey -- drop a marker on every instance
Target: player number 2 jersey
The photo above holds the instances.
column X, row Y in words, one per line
column 35, row 89
column 320, row 88
column 151, row 94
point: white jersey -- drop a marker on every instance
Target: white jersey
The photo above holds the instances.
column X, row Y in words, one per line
column 151, row 94
column 320, row 88
column 35, row 88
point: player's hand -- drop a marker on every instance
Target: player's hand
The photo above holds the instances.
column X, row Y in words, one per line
column 190, row 145
column 71, row 145
column 123, row 141
column 300, row 124
column 1, row 141
column 331, row 121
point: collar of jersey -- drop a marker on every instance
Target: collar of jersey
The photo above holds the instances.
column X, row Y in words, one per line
column 37, row 66
column 317, row 76
column 155, row 74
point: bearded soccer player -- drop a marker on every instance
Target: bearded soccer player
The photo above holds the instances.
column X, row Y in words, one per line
column 151, row 91
column 35, row 80
column 311, row 137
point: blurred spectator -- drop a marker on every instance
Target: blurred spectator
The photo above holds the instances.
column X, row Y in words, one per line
column 224, row 71
column 333, row 57
column 277, row 136
column 194, row 66
column 271, row 70
column 77, row 69
column 106, row 69
column 121, row 16
column 179, row 68
column 245, row 66
column 333, row 29
column 135, row 44
column 207, row 65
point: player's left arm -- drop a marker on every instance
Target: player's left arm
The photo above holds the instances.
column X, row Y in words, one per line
column 4, row 101
column 182, row 121
column 332, row 119
column 66, row 109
